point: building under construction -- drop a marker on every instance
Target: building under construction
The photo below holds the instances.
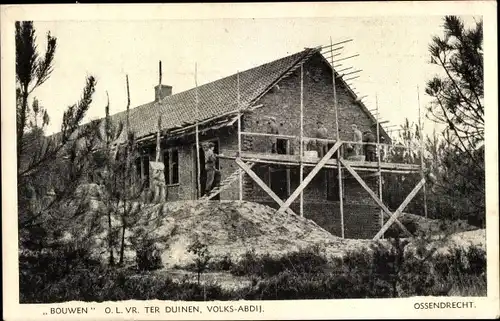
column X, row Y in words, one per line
column 233, row 113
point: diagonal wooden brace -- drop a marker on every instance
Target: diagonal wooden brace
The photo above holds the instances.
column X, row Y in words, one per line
column 400, row 209
column 379, row 202
column 309, row 177
column 259, row 182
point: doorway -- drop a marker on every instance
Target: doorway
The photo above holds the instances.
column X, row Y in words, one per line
column 203, row 174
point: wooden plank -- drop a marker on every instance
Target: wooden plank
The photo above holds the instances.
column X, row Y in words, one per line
column 268, row 135
column 372, row 194
column 262, row 185
column 379, row 176
column 400, row 209
column 339, row 176
column 422, row 163
column 310, row 176
column 330, row 164
column 240, row 176
column 313, row 161
column 198, row 169
column 284, row 159
column 341, row 201
column 226, row 183
column 301, row 139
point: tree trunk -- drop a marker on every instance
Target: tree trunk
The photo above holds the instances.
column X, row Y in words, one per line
column 122, row 245
column 110, row 241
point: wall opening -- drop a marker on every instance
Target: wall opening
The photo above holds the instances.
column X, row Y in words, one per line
column 171, row 162
column 142, row 170
column 203, row 173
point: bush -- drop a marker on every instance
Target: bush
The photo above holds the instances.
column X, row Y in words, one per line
column 290, row 286
column 68, row 274
column 225, row 264
column 148, row 257
column 40, row 272
column 202, row 257
column 456, row 268
column 305, row 261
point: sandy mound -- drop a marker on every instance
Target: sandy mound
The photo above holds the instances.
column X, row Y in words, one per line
column 233, row 228
column 427, row 226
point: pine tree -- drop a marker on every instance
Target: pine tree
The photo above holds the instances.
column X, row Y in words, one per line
column 47, row 165
column 458, row 103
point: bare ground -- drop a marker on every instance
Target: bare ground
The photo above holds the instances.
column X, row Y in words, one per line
column 233, row 228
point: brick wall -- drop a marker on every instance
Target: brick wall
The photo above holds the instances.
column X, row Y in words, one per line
column 186, row 189
column 361, row 215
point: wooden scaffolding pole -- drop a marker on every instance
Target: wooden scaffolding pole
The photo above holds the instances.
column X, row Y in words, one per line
column 399, row 211
column 198, row 169
column 301, row 139
column 128, row 108
column 240, row 176
column 158, row 133
column 310, row 176
column 422, row 164
column 376, row 199
column 379, row 173
column 262, row 185
column 339, row 175
column 129, row 182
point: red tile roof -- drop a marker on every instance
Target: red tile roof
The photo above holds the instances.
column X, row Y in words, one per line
column 215, row 98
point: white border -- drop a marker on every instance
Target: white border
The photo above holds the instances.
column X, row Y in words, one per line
column 302, row 309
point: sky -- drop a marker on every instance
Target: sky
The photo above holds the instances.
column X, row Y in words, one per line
column 393, row 57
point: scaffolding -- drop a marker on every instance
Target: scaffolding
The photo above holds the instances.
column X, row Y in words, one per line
column 246, row 159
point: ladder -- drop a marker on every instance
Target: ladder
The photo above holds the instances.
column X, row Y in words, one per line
column 224, row 184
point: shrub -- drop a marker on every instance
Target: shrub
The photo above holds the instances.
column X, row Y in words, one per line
column 202, row 258
column 305, row 261
column 224, row 264
column 456, row 268
column 381, row 272
column 290, row 286
column 148, row 257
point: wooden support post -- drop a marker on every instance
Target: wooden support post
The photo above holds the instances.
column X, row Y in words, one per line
column 372, row 194
column 341, row 200
column 309, row 177
column 158, row 141
column 422, row 163
column 198, row 169
column 259, row 182
column 158, row 133
column 129, row 179
column 381, row 218
column 128, row 108
column 337, row 136
column 240, row 176
column 301, row 139
column 400, row 209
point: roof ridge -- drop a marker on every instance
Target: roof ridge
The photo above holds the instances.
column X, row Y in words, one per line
column 307, row 53
column 163, row 100
column 240, row 72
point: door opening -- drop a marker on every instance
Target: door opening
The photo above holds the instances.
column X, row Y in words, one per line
column 203, row 173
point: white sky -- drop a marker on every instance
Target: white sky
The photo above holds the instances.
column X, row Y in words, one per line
column 393, row 56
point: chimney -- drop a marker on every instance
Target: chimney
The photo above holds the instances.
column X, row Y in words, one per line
column 162, row 91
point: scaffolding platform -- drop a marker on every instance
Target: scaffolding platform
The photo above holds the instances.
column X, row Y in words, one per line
column 294, row 160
